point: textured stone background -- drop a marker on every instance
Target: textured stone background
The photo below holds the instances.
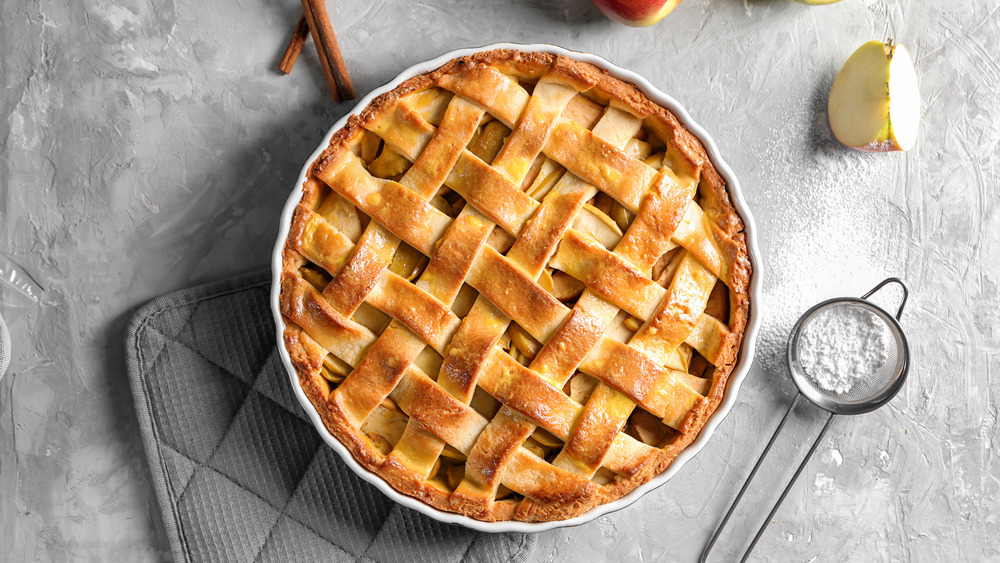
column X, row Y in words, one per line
column 147, row 145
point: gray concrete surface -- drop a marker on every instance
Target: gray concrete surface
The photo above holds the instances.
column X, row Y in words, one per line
column 147, row 145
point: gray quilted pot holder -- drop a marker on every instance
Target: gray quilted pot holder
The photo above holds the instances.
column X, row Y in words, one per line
column 240, row 473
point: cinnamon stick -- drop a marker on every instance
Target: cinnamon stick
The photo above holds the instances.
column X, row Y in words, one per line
column 294, row 46
column 331, row 83
column 326, row 41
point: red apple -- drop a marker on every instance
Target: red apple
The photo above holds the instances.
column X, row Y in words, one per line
column 636, row 13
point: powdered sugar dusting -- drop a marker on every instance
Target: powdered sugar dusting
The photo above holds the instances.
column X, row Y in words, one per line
column 841, row 346
column 830, row 228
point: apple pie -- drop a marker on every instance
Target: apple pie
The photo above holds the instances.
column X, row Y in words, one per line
column 514, row 287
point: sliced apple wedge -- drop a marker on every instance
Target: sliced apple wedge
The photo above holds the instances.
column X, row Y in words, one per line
column 875, row 101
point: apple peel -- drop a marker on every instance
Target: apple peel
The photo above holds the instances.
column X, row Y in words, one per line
column 636, row 13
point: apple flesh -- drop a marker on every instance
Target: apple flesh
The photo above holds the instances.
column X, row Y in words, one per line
column 817, row 2
column 636, row 13
column 875, row 101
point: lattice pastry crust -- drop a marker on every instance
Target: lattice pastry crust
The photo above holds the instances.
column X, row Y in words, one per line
column 514, row 287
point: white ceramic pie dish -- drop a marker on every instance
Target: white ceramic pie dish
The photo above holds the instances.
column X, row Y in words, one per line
column 736, row 377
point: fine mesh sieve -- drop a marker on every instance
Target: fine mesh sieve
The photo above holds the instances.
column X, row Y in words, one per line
column 865, row 395
column 868, row 393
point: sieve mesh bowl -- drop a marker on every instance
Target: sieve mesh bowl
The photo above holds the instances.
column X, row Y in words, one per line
column 867, row 394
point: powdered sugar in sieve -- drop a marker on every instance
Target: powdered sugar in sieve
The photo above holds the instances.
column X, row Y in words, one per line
column 841, row 346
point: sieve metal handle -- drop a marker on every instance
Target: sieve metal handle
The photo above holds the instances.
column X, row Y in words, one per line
column 788, row 487
column 753, row 473
column 885, row 282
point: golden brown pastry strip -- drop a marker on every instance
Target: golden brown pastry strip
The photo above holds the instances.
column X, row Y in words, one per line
column 651, row 386
column 608, row 274
column 362, row 271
